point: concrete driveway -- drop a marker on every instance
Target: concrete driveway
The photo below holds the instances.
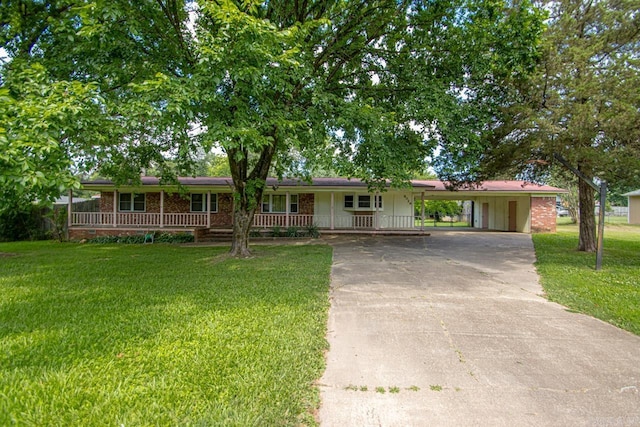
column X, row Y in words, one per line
column 452, row 330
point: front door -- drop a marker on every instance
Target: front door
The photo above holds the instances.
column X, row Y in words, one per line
column 512, row 216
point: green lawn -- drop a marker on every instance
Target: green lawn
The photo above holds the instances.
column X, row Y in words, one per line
column 569, row 277
column 160, row 334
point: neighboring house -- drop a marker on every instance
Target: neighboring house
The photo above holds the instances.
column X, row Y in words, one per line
column 633, row 217
column 332, row 204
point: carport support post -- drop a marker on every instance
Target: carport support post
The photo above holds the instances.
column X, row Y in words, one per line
column 422, row 211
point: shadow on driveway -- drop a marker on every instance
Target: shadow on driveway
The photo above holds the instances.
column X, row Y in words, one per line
column 451, row 329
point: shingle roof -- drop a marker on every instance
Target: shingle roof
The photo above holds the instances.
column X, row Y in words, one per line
column 271, row 182
column 428, row 185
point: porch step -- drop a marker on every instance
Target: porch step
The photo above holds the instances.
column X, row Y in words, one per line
column 214, row 235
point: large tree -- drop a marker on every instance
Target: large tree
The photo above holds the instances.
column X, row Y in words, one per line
column 366, row 88
column 582, row 106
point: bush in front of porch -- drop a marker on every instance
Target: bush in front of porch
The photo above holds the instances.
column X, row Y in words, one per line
column 161, row 334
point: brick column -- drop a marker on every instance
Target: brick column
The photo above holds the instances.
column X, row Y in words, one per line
column 543, row 214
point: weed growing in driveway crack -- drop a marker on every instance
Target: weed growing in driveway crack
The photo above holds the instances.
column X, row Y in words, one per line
column 435, row 387
column 380, row 390
column 414, row 388
column 394, row 389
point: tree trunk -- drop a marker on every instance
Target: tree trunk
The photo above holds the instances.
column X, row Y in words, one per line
column 248, row 189
column 242, row 220
column 587, row 237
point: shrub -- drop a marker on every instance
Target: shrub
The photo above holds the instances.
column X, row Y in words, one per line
column 292, row 231
column 312, row 231
column 276, row 231
column 139, row 238
column 21, row 222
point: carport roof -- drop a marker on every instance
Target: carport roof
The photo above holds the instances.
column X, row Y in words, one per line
column 632, row 193
column 496, row 186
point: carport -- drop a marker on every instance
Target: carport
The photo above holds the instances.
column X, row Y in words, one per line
column 516, row 206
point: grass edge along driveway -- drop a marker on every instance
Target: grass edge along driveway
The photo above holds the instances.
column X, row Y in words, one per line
column 569, row 277
column 161, row 335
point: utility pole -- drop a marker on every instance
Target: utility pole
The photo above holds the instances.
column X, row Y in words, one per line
column 602, row 191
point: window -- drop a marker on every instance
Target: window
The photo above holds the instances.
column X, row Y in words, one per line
column 199, row 202
column 365, row 202
column 277, row 203
column 348, row 201
column 130, row 202
column 213, row 205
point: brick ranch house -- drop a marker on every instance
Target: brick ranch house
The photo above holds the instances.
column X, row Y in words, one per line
column 332, row 204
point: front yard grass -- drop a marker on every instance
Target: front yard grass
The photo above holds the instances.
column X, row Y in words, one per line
column 569, row 277
column 161, row 335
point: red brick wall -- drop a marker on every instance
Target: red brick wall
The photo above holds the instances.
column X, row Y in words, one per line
column 224, row 216
column 543, row 214
column 306, row 202
column 106, row 201
column 176, row 203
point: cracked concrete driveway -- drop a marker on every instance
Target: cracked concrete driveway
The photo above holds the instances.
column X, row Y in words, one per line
column 451, row 329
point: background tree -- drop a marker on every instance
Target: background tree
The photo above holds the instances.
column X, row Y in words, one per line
column 439, row 208
column 584, row 104
column 365, row 88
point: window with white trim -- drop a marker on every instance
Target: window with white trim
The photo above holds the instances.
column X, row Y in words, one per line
column 363, row 202
column 131, row 202
column 277, row 203
column 348, row 201
column 199, row 202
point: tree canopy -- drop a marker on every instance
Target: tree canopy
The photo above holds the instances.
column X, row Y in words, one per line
column 370, row 89
column 583, row 104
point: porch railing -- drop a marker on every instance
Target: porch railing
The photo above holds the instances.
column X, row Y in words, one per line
column 91, row 218
column 140, row 219
column 280, row 220
column 185, row 219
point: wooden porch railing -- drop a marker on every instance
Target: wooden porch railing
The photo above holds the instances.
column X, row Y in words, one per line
column 139, row 219
column 193, row 219
column 280, row 220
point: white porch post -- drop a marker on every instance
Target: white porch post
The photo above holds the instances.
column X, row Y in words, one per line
column 161, row 208
column 69, row 217
column 288, row 199
column 377, row 218
column 422, row 211
column 333, row 211
column 69, row 206
column 209, row 209
column 115, row 208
